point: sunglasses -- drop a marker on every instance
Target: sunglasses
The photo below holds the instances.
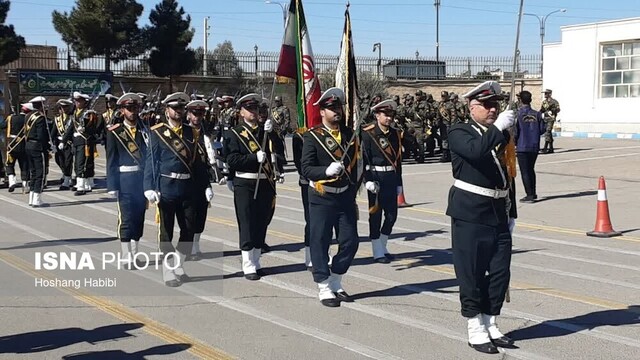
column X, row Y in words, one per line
column 132, row 107
column 251, row 107
column 488, row 104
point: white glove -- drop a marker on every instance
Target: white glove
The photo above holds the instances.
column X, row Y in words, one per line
column 512, row 225
column 222, row 181
column 268, row 125
column 208, row 194
column 372, row 186
column 113, row 193
column 505, row 120
column 281, row 179
column 61, row 146
column 262, row 156
column 230, row 185
column 152, row 196
column 334, row 169
column 399, row 190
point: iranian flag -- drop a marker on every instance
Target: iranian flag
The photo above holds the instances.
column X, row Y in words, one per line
column 297, row 63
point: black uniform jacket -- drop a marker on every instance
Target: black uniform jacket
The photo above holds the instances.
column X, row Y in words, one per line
column 125, row 150
column 473, row 162
column 83, row 129
column 16, row 133
column 380, row 149
column 170, row 154
column 37, row 132
column 320, row 149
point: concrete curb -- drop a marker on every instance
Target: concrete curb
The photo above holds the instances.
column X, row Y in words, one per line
column 588, row 135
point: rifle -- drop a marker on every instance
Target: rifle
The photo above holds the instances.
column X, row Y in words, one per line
column 11, row 107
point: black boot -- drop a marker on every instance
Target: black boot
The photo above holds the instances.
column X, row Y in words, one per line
column 546, row 148
column 550, row 148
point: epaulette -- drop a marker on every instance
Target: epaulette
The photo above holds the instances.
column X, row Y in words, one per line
column 157, row 126
column 114, row 126
column 368, row 127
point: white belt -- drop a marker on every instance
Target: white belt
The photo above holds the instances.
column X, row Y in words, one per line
column 330, row 189
column 177, row 176
column 13, row 136
column 248, row 175
column 76, row 134
column 492, row 193
column 132, row 168
column 380, row 168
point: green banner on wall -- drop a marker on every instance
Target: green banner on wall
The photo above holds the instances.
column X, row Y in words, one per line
column 44, row 82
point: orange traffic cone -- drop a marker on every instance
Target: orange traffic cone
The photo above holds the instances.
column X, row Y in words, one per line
column 401, row 201
column 603, row 226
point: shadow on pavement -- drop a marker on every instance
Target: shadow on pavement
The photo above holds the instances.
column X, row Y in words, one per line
column 568, row 196
column 138, row 355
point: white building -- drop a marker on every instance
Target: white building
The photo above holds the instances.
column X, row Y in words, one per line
column 595, row 75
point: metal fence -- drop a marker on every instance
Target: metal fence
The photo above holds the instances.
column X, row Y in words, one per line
column 260, row 63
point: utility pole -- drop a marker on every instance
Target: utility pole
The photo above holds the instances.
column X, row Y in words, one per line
column 206, row 45
column 543, row 20
column 417, row 62
column 437, row 5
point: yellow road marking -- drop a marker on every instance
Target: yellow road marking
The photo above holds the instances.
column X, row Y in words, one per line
column 123, row 313
column 449, row 271
column 554, row 229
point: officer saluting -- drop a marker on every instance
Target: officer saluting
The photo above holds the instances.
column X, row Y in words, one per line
column 171, row 171
column 382, row 149
column 126, row 150
column 333, row 184
column 37, row 148
column 479, row 207
column 250, row 159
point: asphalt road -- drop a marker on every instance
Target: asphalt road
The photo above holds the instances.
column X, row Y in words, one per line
column 572, row 296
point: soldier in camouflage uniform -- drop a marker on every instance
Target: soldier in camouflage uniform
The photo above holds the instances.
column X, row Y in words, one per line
column 228, row 116
column 405, row 116
column 446, row 118
column 550, row 109
column 421, row 123
column 462, row 111
column 282, row 117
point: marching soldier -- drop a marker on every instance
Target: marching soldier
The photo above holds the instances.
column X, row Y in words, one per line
column 126, row 151
column 172, row 171
column 329, row 162
column 111, row 115
column 550, row 109
column 15, row 149
column 480, row 210
column 382, row 149
column 249, row 158
column 196, row 110
column 37, row 146
column 64, row 156
column 83, row 132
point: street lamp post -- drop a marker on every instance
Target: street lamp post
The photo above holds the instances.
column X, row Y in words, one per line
column 285, row 8
column 378, row 46
column 543, row 20
column 417, row 62
column 255, row 49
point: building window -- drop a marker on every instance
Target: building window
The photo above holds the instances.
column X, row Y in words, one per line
column 620, row 70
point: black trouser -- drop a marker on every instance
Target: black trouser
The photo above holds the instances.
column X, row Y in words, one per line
column 131, row 209
column 201, row 207
column 527, row 163
column 388, row 203
column 23, row 162
column 84, row 161
column 304, row 191
column 253, row 215
column 182, row 209
column 64, row 159
column 478, row 249
column 37, row 165
column 326, row 212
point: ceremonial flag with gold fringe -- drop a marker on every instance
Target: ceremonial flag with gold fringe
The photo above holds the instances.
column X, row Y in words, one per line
column 346, row 75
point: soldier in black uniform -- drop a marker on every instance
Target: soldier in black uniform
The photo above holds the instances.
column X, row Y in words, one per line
column 37, row 146
column 480, row 210
column 172, row 173
column 382, row 150
column 83, row 132
column 15, row 149
column 249, row 159
column 126, row 151
column 64, row 155
column 196, row 110
column 329, row 162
